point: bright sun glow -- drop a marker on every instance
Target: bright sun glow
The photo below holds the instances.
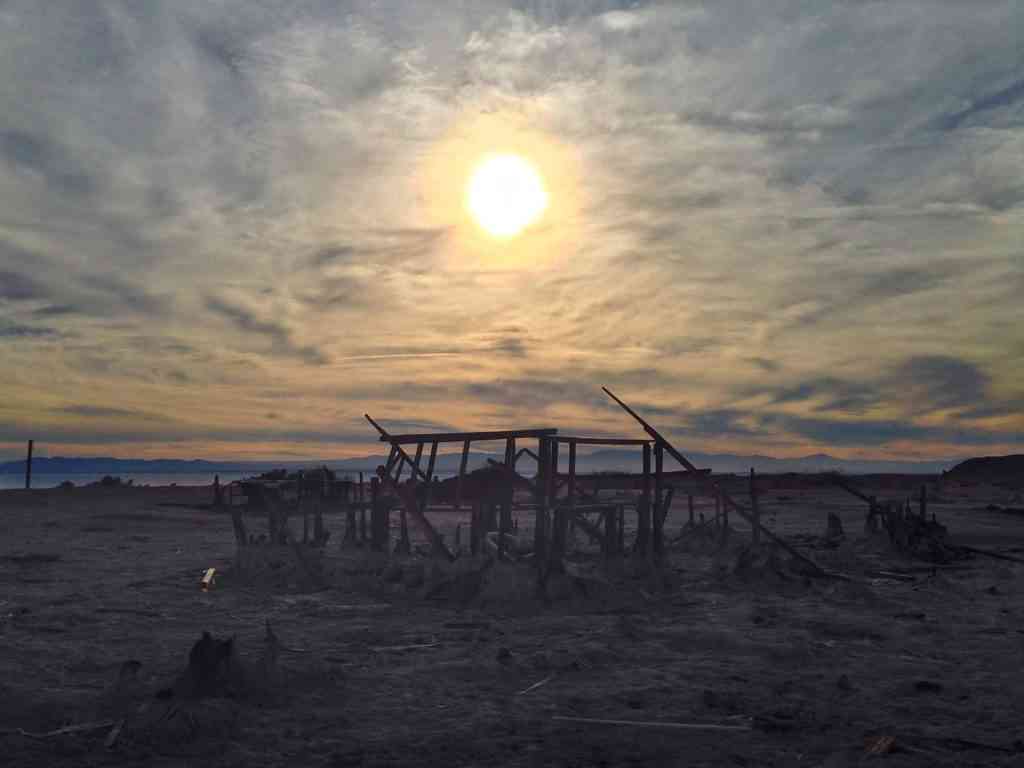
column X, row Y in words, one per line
column 506, row 195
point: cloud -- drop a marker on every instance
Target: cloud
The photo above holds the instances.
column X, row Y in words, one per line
column 773, row 227
column 14, row 331
column 279, row 336
column 18, row 287
column 37, row 154
column 105, row 412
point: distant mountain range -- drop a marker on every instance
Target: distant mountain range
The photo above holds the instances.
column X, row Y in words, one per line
column 599, row 461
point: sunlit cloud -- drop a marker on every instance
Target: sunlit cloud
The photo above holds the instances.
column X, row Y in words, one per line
column 777, row 228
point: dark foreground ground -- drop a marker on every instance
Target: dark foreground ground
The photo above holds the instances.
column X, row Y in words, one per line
column 92, row 578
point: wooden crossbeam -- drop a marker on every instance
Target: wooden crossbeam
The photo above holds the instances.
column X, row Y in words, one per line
column 638, row 441
column 460, row 437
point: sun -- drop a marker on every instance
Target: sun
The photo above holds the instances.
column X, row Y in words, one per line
column 505, row 195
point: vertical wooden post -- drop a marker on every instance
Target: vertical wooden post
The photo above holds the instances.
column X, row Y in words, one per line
column 551, row 535
column 508, row 491
column 375, row 513
column 319, row 535
column 28, row 465
column 611, row 521
column 404, row 545
column 350, row 513
column 659, row 482
column 542, row 485
column 462, row 474
column 924, row 502
column 416, row 461
column 390, row 463
column 643, row 531
column 555, row 447
column 570, row 513
column 622, row 529
column 689, row 506
column 430, row 476
column 431, row 462
column 755, row 509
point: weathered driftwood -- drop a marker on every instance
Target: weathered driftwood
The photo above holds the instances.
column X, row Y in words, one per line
column 653, row 724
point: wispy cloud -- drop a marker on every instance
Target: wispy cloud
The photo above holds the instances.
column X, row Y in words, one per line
column 775, row 226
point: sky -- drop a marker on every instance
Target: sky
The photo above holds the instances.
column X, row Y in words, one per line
column 229, row 228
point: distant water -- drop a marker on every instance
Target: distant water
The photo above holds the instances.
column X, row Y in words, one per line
column 155, row 478
column 46, row 480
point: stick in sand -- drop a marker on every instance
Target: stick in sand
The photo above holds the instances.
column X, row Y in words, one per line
column 651, row 724
column 536, row 685
column 82, row 728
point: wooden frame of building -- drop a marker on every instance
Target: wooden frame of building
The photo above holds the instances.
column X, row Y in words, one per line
column 559, row 501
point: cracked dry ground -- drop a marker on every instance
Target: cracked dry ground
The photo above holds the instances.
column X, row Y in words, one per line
column 91, row 579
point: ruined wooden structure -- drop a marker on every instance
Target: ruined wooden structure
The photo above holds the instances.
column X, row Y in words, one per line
column 279, row 496
column 560, row 501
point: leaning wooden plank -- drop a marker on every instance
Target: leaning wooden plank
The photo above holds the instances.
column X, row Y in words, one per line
column 653, row 724
column 989, row 553
column 384, row 436
column 840, row 482
column 725, row 497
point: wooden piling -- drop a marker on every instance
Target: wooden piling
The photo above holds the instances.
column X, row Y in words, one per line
column 404, row 546
column 348, row 506
column 643, row 532
column 659, row 487
column 611, row 534
column 462, row 474
column 924, row 503
column 541, row 498
column 755, row 509
column 28, row 465
column 689, row 506
column 570, row 512
column 430, row 477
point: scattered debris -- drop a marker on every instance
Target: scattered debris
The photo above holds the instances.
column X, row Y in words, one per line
column 536, row 685
column 114, row 734
column 880, row 745
column 69, row 729
column 401, row 648
column 650, row 724
column 206, row 583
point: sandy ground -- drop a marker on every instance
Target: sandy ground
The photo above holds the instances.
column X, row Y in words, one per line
column 91, row 578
